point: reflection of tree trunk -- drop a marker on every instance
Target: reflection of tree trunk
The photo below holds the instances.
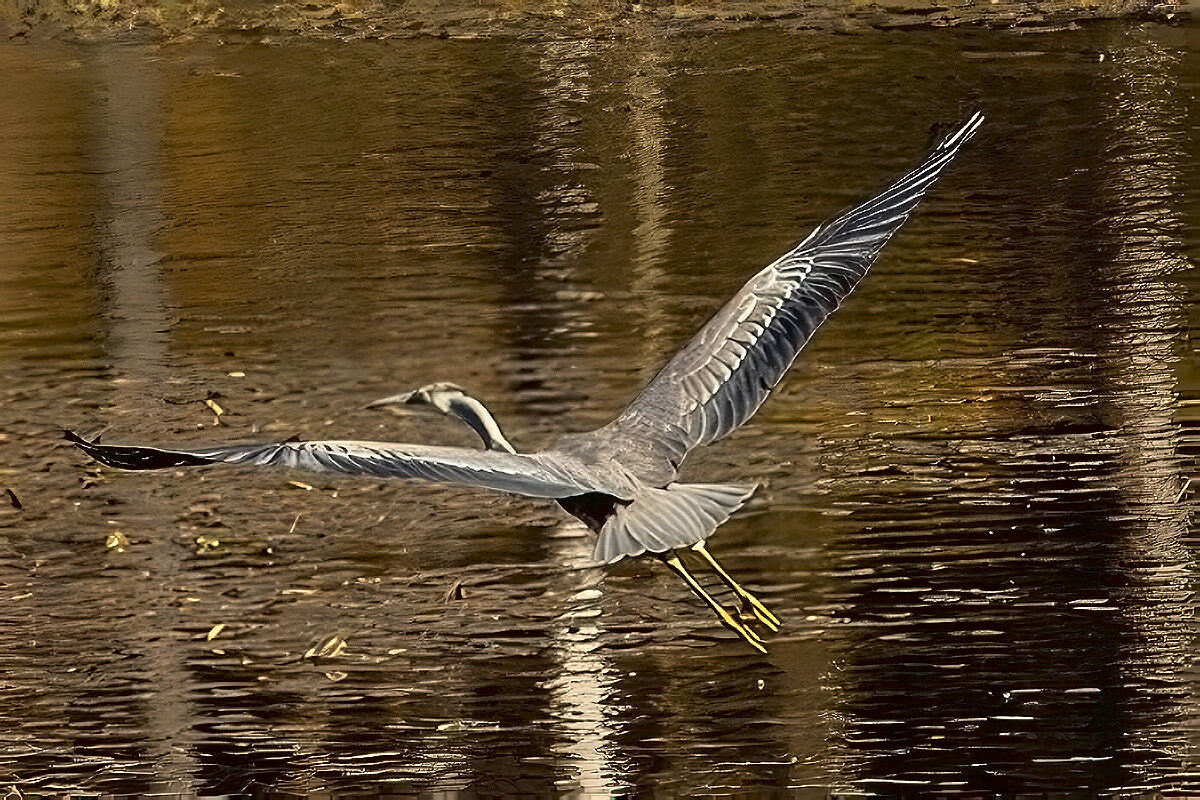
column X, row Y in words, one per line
column 127, row 154
column 547, row 210
column 579, row 690
column 583, row 689
column 1142, row 174
column 127, row 143
column 649, row 191
column 546, row 215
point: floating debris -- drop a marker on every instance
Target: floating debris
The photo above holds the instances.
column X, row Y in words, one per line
column 337, row 675
column 455, row 592
column 13, row 499
column 206, row 544
column 116, row 541
column 330, row 647
column 458, row 725
column 214, row 407
column 215, row 631
column 300, row 485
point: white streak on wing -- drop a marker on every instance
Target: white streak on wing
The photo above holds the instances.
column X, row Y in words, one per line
column 533, row 475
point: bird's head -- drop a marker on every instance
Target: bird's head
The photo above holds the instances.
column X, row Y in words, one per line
column 434, row 399
column 448, row 400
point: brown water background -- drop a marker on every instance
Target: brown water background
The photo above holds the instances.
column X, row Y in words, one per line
column 975, row 514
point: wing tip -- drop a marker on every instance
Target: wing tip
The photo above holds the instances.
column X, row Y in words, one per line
column 962, row 131
column 90, row 447
column 134, row 457
column 75, row 438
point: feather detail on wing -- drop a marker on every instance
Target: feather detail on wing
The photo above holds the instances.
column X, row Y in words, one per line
column 532, row 475
column 722, row 376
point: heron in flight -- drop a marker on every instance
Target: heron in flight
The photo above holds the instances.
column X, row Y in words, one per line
column 620, row 479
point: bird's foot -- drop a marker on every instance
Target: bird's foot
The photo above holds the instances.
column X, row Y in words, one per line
column 754, row 606
column 741, row 629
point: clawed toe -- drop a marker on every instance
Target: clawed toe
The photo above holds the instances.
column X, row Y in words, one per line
column 751, row 604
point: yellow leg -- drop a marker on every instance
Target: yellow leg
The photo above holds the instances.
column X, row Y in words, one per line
column 761, row 612
column 727, row 619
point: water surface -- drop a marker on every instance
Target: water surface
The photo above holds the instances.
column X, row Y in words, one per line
column 975, row 513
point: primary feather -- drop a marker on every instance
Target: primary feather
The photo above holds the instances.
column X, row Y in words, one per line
column 721, row 377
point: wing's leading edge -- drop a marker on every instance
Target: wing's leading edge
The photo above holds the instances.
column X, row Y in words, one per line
column 532, row 475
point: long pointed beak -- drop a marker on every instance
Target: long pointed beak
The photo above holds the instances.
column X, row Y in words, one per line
column 396, row 401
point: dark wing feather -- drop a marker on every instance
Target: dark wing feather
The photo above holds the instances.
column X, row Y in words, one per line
column 532, row 475
column 716, row 382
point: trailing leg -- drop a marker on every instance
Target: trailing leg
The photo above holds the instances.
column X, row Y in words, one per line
column 760, row 612
column 726, row 618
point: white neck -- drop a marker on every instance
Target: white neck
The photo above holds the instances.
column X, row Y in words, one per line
column 475, row 414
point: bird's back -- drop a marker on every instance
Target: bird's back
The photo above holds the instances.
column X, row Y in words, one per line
column 617, row 455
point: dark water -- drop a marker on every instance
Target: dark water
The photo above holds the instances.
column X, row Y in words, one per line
column 975, row 514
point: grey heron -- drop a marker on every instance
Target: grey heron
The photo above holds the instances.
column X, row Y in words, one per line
column 620, row 479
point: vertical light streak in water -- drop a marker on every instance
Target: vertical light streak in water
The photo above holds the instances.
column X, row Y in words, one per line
column 129, row 160
column 647, row 137
column 584, row 684
column 648, row 182
column 1142, row 173
column 578, row 692
column 1143, row 166
column 548, row 215
column 127, row 153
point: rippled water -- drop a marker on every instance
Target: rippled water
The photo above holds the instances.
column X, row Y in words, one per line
column 975, row 514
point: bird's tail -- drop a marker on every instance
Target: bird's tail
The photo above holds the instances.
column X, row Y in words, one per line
column 659, row 520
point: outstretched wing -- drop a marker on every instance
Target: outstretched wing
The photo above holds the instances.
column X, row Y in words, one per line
column 716, row 382
column 532, row 475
